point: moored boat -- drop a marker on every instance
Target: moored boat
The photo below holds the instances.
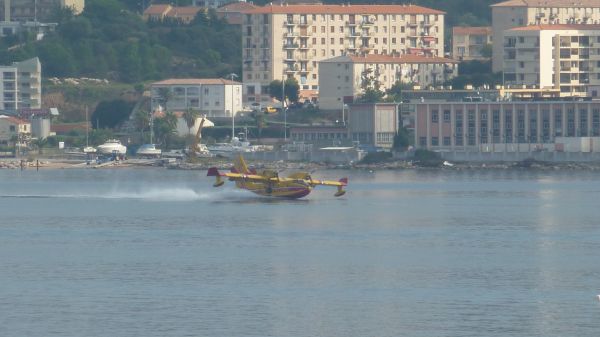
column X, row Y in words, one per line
column 112, row 146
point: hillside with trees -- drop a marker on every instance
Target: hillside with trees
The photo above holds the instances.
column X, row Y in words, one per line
column 109, row 41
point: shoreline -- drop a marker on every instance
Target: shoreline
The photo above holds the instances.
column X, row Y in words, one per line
column 225, row 164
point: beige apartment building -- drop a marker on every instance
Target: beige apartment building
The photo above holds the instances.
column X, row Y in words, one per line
column 564, row 58
column 341, row 77
column 468, row 42
column 36, row 10
column 516, row 13
column 283, row 41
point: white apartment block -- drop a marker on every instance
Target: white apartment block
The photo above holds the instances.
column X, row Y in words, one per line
column 213, row 97
column 284, row 41
column 516, row 13
column 341, row 78
column 467, row 42
column 563, row 58
column 21, row 85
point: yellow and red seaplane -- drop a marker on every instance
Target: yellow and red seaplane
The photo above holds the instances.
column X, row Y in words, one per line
column 268, row 182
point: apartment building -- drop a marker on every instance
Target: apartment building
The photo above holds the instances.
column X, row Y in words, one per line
column 283, row 41
column 36, row 10
column 516, row 13
column 564, row 58
column 213, row 97
column 20, row 85
column 341, row 77
column 468, row 126
column 214, row 3
column 468, row 42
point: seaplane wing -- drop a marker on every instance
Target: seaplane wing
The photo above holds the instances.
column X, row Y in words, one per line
column 213, row 172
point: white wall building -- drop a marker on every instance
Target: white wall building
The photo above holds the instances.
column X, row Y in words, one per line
column 564, row 58
column 213, row 97
column 340, row 78
column 20, row 85
column 516, row 13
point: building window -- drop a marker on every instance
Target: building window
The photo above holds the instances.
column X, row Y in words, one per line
column 435, row 141
column 434, row 116
column 423, row 141
column 446, row 116
column 446, row 141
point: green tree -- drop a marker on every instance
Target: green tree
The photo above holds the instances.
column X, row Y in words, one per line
column 371, row 87
column 40, row 143
column 275, row 90
column 164, row 95
column 165, row 128
column 402, row 139
column 109, row 114
column 190, row 116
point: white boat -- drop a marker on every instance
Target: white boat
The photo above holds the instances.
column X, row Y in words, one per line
column 89, row 149
column 149, row 150
column 112, row 146
column 227, row 149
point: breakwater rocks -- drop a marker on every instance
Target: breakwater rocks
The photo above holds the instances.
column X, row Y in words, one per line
column 21, row 164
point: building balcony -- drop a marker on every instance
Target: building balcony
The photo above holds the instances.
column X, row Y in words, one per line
column 305, row 34
column 289, row 59
column 306, row 22
column 368, row 22
column 290, row 34
column 290, row 46
column 305, row 46
column 354, row 34
column 290, row 22
column 350, row 23
column 305, row 69
column 413, row 24
column 428, row 23
column 290, row 69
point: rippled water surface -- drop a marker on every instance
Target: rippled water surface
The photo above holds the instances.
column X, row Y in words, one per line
column 155, row 252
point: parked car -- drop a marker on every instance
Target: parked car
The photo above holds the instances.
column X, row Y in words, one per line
column 269, row 110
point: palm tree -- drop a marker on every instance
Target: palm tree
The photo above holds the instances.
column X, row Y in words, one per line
column 40, row 143
column 190, row 117
column 165, row 94
column 165, row 127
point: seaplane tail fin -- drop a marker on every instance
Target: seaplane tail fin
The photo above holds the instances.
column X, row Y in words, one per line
column 240, row 165
column 214, row 172
column 340, row 189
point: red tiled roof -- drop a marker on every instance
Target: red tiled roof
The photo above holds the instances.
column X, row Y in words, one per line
column 471, row 30
column 343, row 9
column 557, row 27
column 549, row 3
column 14, row 120
column 187, row 10
column 402, row 59
column 157, row 9
column 236, row 7
column 194, row 81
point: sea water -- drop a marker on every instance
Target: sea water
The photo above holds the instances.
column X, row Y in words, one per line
column 155, row 252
